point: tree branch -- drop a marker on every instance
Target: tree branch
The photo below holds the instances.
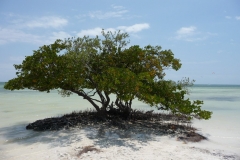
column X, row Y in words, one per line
column 86, row 97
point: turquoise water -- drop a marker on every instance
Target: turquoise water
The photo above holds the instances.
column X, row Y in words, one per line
column 18, row 108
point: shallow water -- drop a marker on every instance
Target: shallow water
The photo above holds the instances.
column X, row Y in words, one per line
column 223, row 129
column 18, row 108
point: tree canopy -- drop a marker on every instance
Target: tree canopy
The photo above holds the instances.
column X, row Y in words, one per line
column 91, row 67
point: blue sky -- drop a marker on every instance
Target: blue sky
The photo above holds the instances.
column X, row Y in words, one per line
column 203, row 34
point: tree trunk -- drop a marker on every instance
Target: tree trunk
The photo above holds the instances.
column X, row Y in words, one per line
column 124, row 108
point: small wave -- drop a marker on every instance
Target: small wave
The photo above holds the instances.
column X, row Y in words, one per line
column 226, row 137
column 225, row 98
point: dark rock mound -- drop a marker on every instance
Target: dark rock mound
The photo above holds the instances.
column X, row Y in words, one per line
column 137, row 121
column 116, row 118
column 192, row 137
column 65, row 121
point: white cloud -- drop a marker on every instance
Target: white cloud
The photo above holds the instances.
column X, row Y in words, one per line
column 134, row 28
column 237, row 17
column 57, row 35
column 186, row 31
column 191, row 34
column 14, row 35
column 90, row 32
column 60, row 35
column 47, row 22
column 81, row 17
column 118, row 12
column 93, row 32
column 228, row 17
column 117, row 7
column 19, row 21
column 130, row 29
column 106, row 15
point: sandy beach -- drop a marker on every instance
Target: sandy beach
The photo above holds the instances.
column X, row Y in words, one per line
column 17, row 143
column 112, row 144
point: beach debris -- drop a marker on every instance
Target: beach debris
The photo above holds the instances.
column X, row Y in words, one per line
column 191, row 137
column 88, row 149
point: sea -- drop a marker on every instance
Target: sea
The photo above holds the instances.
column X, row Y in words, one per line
column 21, row 107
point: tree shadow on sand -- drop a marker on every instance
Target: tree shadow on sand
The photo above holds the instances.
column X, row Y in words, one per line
column 111, row 132
column 19, row 135
column 106, row 136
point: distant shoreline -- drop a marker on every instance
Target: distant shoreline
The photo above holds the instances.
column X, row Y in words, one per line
column 205, row 85
column 216, row 85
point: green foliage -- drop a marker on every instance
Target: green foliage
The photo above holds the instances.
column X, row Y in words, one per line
column 93, row 67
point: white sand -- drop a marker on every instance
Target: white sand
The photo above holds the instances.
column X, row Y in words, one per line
column 66, row 145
